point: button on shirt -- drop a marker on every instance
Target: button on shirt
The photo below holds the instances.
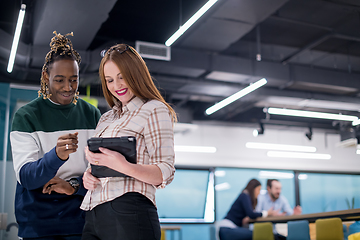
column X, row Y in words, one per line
column 264, row 202
column 151, row 124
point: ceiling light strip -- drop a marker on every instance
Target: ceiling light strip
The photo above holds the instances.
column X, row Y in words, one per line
column 356, row 122
column 282, row 147
column 271, row 174
column 16, row 38
column 298, row 155
column 197, row 149
column 309, row 114
column 222, row 186
column 190, row 22
column 236, row 96
column 302, row 176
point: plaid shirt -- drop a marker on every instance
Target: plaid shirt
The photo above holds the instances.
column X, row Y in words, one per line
column 151, row 124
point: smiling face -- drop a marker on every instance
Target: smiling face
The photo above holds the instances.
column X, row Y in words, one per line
column 116, row 84
column 63, row 81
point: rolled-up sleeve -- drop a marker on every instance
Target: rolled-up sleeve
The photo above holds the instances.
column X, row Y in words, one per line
column 159, row 140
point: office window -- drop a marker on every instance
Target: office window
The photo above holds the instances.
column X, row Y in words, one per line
column 189, row 198
column 321, row 192
column 11, row 99
column 4, row 102
column 18, row 98
column 229, row 182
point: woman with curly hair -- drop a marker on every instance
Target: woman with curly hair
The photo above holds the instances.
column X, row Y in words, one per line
column 48, row 136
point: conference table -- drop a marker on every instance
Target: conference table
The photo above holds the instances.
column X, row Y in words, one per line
column 345, row 215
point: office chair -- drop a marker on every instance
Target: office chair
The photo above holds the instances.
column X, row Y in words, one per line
column 298, row 230
column 263, row 231
column 329, row 228
column 354, row 236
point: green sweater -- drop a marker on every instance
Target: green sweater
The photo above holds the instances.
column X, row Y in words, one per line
column 35, row 130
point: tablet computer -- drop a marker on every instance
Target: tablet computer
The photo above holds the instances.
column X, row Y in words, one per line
column 124, row 145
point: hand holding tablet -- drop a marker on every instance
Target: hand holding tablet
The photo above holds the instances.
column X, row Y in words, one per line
column 124, row 145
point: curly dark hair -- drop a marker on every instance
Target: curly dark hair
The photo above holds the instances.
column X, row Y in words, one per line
column 61, row 48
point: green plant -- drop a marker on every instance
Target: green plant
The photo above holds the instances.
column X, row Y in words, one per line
column 352, row 203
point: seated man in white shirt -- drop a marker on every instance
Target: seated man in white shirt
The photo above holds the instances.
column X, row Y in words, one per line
column 274, row 201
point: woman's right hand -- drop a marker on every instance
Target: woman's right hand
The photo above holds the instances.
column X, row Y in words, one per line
column 90, row 182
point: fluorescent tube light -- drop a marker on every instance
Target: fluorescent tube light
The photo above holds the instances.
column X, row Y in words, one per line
column 16, row 38
column 271, row 174
column 236, row 96
column 283, row 147
column 220, row 173
column 222, row 186
column 298, row 155
column 309, row 114
column 302, row 176
column 198, row 149
column 209, row 214
column 356, row 122
column 190, row 22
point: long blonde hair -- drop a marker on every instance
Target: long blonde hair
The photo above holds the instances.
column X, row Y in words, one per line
column 135, row 73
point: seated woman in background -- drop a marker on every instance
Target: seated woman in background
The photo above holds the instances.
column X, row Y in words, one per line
column 235, row 224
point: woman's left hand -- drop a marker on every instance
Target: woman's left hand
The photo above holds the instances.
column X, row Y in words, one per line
column 106, row 157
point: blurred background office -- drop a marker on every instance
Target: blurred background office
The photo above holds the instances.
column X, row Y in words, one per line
column 302, row 56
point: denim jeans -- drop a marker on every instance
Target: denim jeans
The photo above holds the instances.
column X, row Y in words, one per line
column 238, row 233
column 241, row 233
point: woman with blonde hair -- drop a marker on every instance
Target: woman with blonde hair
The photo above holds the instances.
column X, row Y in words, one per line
column 124, row 207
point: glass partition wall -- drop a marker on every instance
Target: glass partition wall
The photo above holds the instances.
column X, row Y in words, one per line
column 192, row 188
column 4, row 124
column 197, row 197
column 183, row 202
column 229, row 183
column 324, row 192
column 11, row 98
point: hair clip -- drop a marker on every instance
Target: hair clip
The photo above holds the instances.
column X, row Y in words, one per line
column 103, row 52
